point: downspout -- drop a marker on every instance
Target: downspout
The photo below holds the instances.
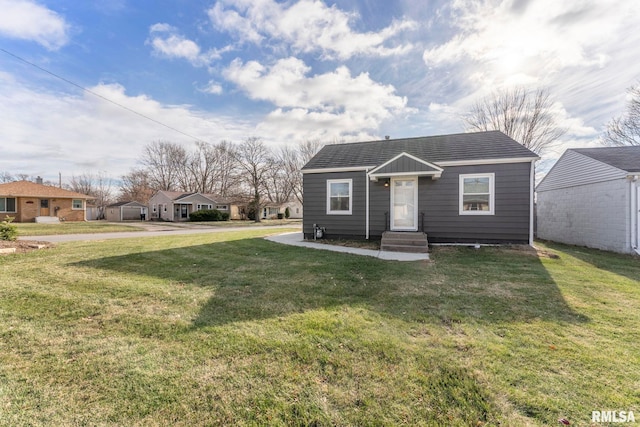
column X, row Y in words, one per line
column 366, row 177
column 532, row 179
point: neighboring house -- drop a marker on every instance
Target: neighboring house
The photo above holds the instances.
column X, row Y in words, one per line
column 176, row 205
column 295, row 209
column 26, row 200
column 463, row 188
column 590, row 197
column 126, row 211
column 240, row 209
column 271, row 211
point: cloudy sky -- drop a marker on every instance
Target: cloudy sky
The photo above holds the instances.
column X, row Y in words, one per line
column 288, row 71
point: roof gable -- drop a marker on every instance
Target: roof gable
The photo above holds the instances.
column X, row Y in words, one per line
column 31, row 189
column 464, row 147
column 406, row 164
column 129, row 204
column 194, row 197
column 574, row 168
column 624, row 158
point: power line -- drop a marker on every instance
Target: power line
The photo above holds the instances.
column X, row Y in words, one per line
column 100, row 96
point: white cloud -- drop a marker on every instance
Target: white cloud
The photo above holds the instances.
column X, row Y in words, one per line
column 167, row 42
column 520, row 38
column 46, row 132
column 307, row 26
column 27, row 20
column 213, row 88
column 336, row 103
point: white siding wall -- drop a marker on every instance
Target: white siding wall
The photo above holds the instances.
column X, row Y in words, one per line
column 594, row 215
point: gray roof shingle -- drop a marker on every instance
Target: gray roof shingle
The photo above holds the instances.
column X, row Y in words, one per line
column 625, row 158
column 434, row 149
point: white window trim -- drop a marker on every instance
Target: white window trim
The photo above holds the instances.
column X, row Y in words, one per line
column 492, row 193
column 15, row 203
column 81, row 205
column 339, row 181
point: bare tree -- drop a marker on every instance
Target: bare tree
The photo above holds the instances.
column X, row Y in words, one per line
column 135, row 186
column 254, row 161
column 97, row 186
column 6, row 177
column 527, row 117
column 201, row 169
column 165, row 163
column 625, row 130
column 227, row 176
column 278, row 183
column 82, row 184
column 306, row 151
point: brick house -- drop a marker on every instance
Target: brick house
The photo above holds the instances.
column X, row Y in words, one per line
column 26, row 200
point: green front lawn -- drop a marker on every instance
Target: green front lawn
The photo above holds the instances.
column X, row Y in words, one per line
column 71, row 227
column 230, row 329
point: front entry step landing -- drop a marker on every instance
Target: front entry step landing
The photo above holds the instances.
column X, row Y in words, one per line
column 405, row 241
column 48, row 220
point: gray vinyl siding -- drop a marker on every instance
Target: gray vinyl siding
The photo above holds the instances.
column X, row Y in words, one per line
column 574, row 169
column 315, row 206
column 437, row 199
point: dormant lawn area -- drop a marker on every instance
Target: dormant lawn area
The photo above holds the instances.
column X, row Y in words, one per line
column 230, row 329
column 35, row 229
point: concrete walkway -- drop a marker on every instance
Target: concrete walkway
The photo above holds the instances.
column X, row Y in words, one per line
column 297, row 239
column 151, row 231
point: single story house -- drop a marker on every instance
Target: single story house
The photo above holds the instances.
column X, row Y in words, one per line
column 271, row 211
column 177, row 206
column 463, row 188
column 26, row 200
column 126, row 211
column 591, row 197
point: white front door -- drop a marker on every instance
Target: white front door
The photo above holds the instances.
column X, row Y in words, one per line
column 404, row 204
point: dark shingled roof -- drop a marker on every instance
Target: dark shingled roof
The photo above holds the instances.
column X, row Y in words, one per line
column 625, row 158
column 434, row 149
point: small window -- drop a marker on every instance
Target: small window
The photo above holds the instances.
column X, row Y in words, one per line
column 7, row 204
column 339, row 200
column 477, row 194
column 222, row 207
column 76, row 204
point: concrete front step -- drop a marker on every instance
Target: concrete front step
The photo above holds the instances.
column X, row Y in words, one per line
column 48, row 220
column 411, row 242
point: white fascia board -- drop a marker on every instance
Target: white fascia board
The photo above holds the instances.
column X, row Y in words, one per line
column 404, row 154
column 435, row 174
column 489, row 161
column 345, row 169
